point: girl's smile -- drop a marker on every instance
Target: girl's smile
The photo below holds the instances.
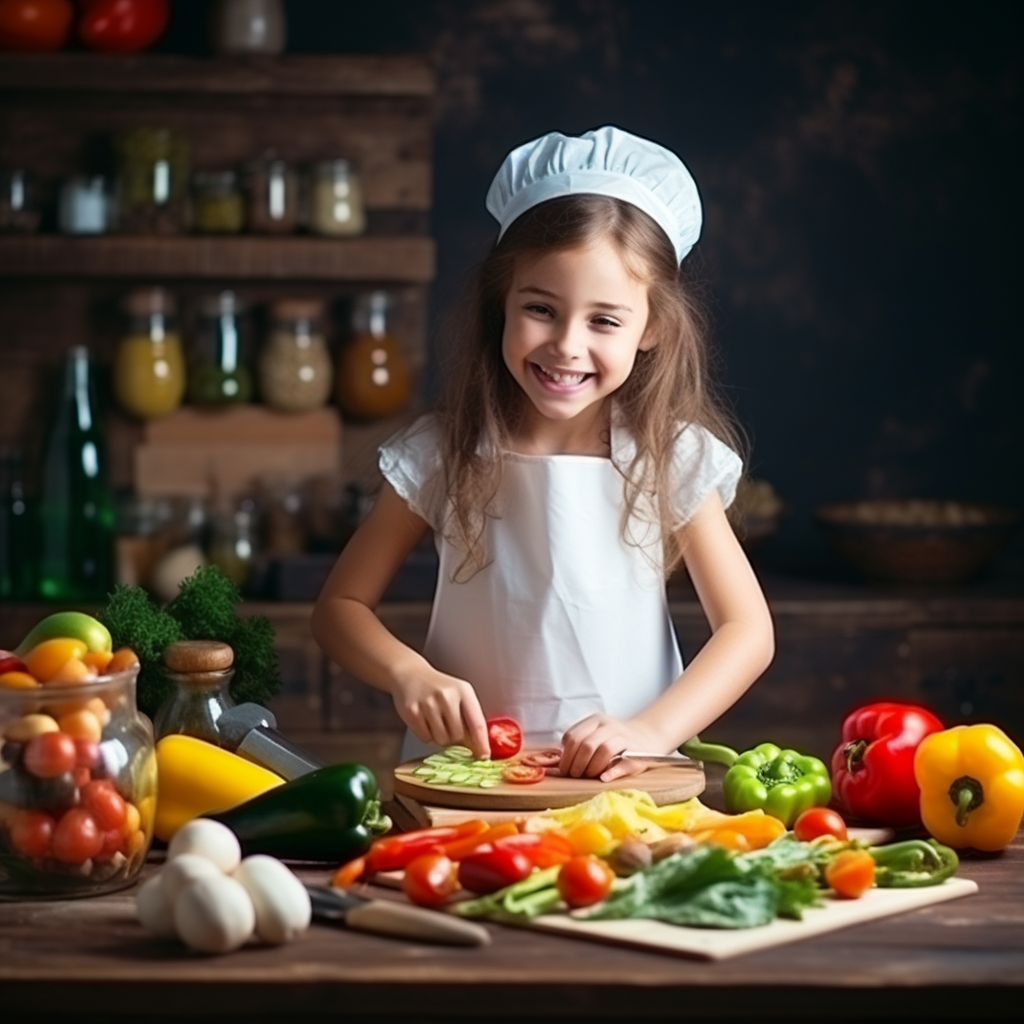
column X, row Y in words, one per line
column 574, row 322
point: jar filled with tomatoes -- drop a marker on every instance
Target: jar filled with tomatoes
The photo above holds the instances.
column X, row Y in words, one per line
column 77, row 775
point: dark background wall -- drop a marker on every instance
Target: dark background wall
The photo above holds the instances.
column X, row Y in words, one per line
column 860, row 171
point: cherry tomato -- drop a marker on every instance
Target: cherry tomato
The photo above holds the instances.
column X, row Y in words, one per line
column 542, row 758
column 431, row 879
column 492, row 867
column 819, row 821
column 32, row 833
column 105, row 804
column 585, row 880
column 77, row 837
column 112, row 842
column 505, row 736
column 35, row 24
column 10, row 662
column 123, row 26
column 851, row 873
column 522, row 774
column 50, row 754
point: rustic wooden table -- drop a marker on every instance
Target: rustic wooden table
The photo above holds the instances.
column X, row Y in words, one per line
column 91, row 959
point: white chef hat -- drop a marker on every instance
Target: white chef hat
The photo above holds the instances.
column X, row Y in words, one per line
column 607, row 161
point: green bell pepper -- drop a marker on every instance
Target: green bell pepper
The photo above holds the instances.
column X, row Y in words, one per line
column 782, row 783
column 331, row 814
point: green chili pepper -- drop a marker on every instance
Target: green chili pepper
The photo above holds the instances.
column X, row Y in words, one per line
column 913, row 863
column 782, row 783
column 331, row 814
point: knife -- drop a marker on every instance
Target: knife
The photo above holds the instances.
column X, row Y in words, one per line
column 385, row 917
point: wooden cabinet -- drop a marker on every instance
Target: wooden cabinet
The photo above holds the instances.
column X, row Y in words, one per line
column 58, row 115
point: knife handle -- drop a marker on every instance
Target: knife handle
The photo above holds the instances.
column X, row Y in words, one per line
column 387, row 918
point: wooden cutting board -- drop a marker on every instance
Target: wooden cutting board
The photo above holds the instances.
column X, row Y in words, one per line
column 667, row 784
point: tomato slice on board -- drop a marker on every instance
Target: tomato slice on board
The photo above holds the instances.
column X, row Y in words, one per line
column 542, row 758
column 522, row 774
column 505, row 736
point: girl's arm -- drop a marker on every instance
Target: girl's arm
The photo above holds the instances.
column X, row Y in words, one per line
column 741, row 647
column 438, row 708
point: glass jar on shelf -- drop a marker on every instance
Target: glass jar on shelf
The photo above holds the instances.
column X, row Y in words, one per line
column 336, row 199
column 272, row 197
column 218, row 375
column 19, row 207
column 86, row 206
column 149, row 363
column 152, row 181
column 372, row 378
column 248, row 26
column 217, row 204
column 295, row 368
column 234, row 542
column 51, row 845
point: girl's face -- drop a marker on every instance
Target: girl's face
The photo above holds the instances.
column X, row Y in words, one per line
column 574, row 322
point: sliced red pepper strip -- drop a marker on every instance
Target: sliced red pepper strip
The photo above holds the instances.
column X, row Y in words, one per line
column 393, row 852
column 544, row 849
column 460, row 848
column 349, row 873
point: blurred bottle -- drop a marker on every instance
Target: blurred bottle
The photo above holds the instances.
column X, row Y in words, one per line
column 76, row 514
column 15, row 529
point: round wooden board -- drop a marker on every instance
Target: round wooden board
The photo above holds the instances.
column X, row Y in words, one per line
column 667, row 784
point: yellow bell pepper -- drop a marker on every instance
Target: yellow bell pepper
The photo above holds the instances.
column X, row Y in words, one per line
column 196, row 778
column 972, row 786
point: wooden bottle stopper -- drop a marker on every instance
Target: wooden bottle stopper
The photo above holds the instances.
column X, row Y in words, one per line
column 189, row 656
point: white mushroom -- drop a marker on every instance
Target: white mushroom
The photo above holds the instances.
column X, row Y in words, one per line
column 214, row 914
column 208, row 838
column 282, row 904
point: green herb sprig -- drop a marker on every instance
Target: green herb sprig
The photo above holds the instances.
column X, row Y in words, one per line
column 204, row 609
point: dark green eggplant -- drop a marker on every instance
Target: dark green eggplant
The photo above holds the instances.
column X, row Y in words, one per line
column 331, row 814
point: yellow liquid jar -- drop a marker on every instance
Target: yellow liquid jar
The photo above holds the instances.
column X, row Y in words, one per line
column 149, row 364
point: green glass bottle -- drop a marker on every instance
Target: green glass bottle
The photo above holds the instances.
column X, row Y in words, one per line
column 75, row 506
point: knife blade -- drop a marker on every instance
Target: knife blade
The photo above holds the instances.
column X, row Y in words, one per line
column 385, row 917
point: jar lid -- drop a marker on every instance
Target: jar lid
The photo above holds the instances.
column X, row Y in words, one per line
column 226, row 303
column 146, row 301
column 297, row 309
column 198, row 656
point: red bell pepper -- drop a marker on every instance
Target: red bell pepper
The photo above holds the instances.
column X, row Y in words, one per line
column 873, row 765
column 392, row 852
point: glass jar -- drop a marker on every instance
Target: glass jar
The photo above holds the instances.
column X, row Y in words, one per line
column 248, row 26
column 217, row 204
column 19, row 210
column 200, row 673
column 336, row 199
column 373, row 376
column 152, row 181
column 218, row 375
column 272, row 197
column 234, row 543
column 86, row 206
column 149, row 364
column 295, row 367
column 86, row 829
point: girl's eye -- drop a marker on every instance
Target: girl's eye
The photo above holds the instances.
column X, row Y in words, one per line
column 539, row 309
column 606, row 321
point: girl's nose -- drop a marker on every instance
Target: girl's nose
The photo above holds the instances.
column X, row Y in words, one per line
column 568, row 342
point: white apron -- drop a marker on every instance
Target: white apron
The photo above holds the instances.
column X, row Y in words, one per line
column 567, row 619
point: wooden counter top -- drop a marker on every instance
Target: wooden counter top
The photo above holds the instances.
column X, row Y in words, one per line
column 961, row 959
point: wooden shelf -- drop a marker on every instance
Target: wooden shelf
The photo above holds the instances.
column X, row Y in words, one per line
column 409, row 259
column 329, row 76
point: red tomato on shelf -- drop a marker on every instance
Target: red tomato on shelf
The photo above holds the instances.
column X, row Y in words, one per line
column 123, row 26
column 35, row 25
column 505, row 736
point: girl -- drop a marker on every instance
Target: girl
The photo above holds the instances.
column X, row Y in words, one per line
column 578, row 457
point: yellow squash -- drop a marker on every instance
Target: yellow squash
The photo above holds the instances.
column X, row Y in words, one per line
column 972, row 786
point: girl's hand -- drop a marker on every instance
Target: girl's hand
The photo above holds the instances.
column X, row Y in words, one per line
column 443, row 709
column 591, row 746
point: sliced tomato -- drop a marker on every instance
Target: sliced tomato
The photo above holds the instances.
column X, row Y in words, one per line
column 551, row 758
column 522, row 774
column 505, row 736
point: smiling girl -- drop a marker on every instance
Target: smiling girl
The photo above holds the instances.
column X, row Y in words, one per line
column 578, row 457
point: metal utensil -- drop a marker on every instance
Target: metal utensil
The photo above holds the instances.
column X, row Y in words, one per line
column 385, row 917
column 671, row 759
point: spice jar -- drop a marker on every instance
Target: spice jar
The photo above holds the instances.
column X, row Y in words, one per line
column 373, row 377
column 200, row 673
column 248, row 26
column 218, row 375
column 294, row 366
column 85, row 829
column 336, row 199
column 19, row 210
column 217, row 204
column 149, row 364
column 272, row 197
column 86, row 206
column 233, row 544
column 152, row 181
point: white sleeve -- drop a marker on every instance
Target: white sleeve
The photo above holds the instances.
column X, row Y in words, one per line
column 702, row 464
column 411, row 462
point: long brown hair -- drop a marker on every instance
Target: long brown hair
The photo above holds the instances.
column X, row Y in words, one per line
column 669, row 388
